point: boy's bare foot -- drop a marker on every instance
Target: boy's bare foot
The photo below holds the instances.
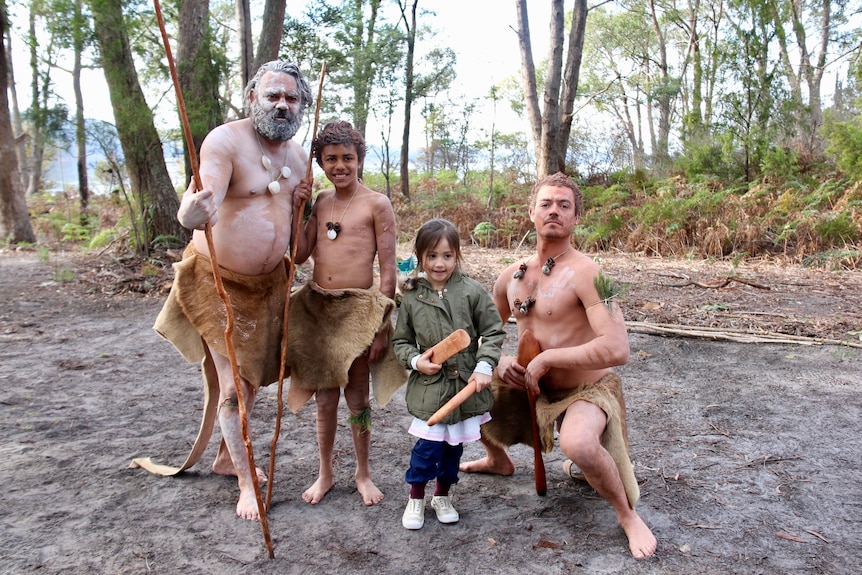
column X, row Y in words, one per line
column 489, row 465
column 369, row 492
column 246, row 507
column 314, row 494
column 642, row 543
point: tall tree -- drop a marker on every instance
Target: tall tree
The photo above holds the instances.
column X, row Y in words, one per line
column 408, row 18
column 246, row 48
column 80, row 33
column 14, row 217
column 142, row 148
column 272, row 29
column 198, row 73
column 552, row 125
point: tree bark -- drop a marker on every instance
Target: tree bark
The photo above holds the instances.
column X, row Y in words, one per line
column 142, row 148
column 269, row 43
column 80, row 126
column 14, row 217
column 198, row 75
column 408, row 96
column 551, row 126
column 243, row 24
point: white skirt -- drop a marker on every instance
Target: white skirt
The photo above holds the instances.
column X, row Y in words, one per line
column 453, row 434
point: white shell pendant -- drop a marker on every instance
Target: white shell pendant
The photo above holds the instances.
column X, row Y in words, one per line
column 285, row 172
column 274, row 187
column 332, row 234
column 267, row 163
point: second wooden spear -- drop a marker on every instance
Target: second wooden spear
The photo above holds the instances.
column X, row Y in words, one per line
column 291, row 270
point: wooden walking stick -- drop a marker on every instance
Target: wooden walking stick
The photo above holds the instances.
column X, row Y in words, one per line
column 291, row 270
column 229, row 323
column 528, row 348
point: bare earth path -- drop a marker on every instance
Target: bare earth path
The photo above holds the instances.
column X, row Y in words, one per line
column 748, row 454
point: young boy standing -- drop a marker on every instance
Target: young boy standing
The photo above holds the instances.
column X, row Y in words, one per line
column 349, row 226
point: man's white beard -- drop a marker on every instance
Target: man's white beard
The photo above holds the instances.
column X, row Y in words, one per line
column 275, row 129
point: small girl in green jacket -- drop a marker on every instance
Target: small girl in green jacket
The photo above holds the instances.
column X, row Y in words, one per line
column 441, row 300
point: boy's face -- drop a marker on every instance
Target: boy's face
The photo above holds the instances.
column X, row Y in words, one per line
column 340, row 163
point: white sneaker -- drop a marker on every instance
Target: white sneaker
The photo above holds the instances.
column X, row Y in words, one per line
column 443, row 507
column 414, row 514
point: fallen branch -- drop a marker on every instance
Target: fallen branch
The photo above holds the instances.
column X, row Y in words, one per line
column 732, row 335
column 714, row 284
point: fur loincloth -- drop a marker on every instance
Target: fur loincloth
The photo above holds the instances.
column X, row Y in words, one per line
column 511, row 422
column 194, row 313
column 328, row 330
column 194, row 316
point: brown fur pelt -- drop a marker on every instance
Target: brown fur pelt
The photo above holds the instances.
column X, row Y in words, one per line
column 329, row 329
column 194, row 312
column 511, row 422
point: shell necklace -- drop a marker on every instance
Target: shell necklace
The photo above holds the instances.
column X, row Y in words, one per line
column 332, row 228
column 523, row 307
column 274, row 187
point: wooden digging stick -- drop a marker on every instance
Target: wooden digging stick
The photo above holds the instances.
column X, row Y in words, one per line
column 529, row 348
column 229, row 319
column 291, row 270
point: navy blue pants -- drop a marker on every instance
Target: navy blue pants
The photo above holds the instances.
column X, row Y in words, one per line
column 434, row 460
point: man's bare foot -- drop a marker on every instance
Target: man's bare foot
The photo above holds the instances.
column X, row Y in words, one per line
column 642, row 543
column 369, row 492
column 246, row 507
column 314, row 494
column 220, row 467
column 489, row 465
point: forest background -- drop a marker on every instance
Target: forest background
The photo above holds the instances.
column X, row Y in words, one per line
column 696, row 129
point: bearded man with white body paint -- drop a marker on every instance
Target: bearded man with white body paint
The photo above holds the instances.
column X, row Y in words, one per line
column 252, row 175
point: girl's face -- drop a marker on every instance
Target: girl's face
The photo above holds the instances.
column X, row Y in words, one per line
column 439, row 263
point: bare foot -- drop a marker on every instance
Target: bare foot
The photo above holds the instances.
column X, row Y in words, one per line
column 246, row 507
column 642, row 543
column 489, row 465
column 369, row 492
column 220, row 467
column 316, row 492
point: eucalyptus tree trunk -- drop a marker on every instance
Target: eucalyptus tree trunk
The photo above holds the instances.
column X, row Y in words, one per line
column 408, row 96
column 551, row 127
column 14, row 217
column 142, row 148
column 269, row 43
column 198, row 75
column 80, row 126
column 246, row 49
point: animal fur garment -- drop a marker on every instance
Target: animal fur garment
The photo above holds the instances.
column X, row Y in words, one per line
column 328, row 330
column 194, row 313
column 511, row 422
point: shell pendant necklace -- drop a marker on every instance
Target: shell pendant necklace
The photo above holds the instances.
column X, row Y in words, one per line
column 523, row 307
column 274, row 186
column 333, row 228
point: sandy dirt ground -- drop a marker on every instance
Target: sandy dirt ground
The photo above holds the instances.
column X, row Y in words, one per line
column 747, row 453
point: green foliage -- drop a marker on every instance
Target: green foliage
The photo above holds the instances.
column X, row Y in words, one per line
column 63, row 275
column 165, row 241
column 607, row 289
column 780, row 162
column 845, row 145
column 483, row 232
column 837, row 228
column 102, row 238
column 74, row 232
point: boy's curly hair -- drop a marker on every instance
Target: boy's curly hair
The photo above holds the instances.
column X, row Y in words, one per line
column 338, row 132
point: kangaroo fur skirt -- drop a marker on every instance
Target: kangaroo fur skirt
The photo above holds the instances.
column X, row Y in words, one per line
column 511, row 421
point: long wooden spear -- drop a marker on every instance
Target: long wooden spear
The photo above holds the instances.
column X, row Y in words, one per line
column 291, row 270
column 229, row 323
